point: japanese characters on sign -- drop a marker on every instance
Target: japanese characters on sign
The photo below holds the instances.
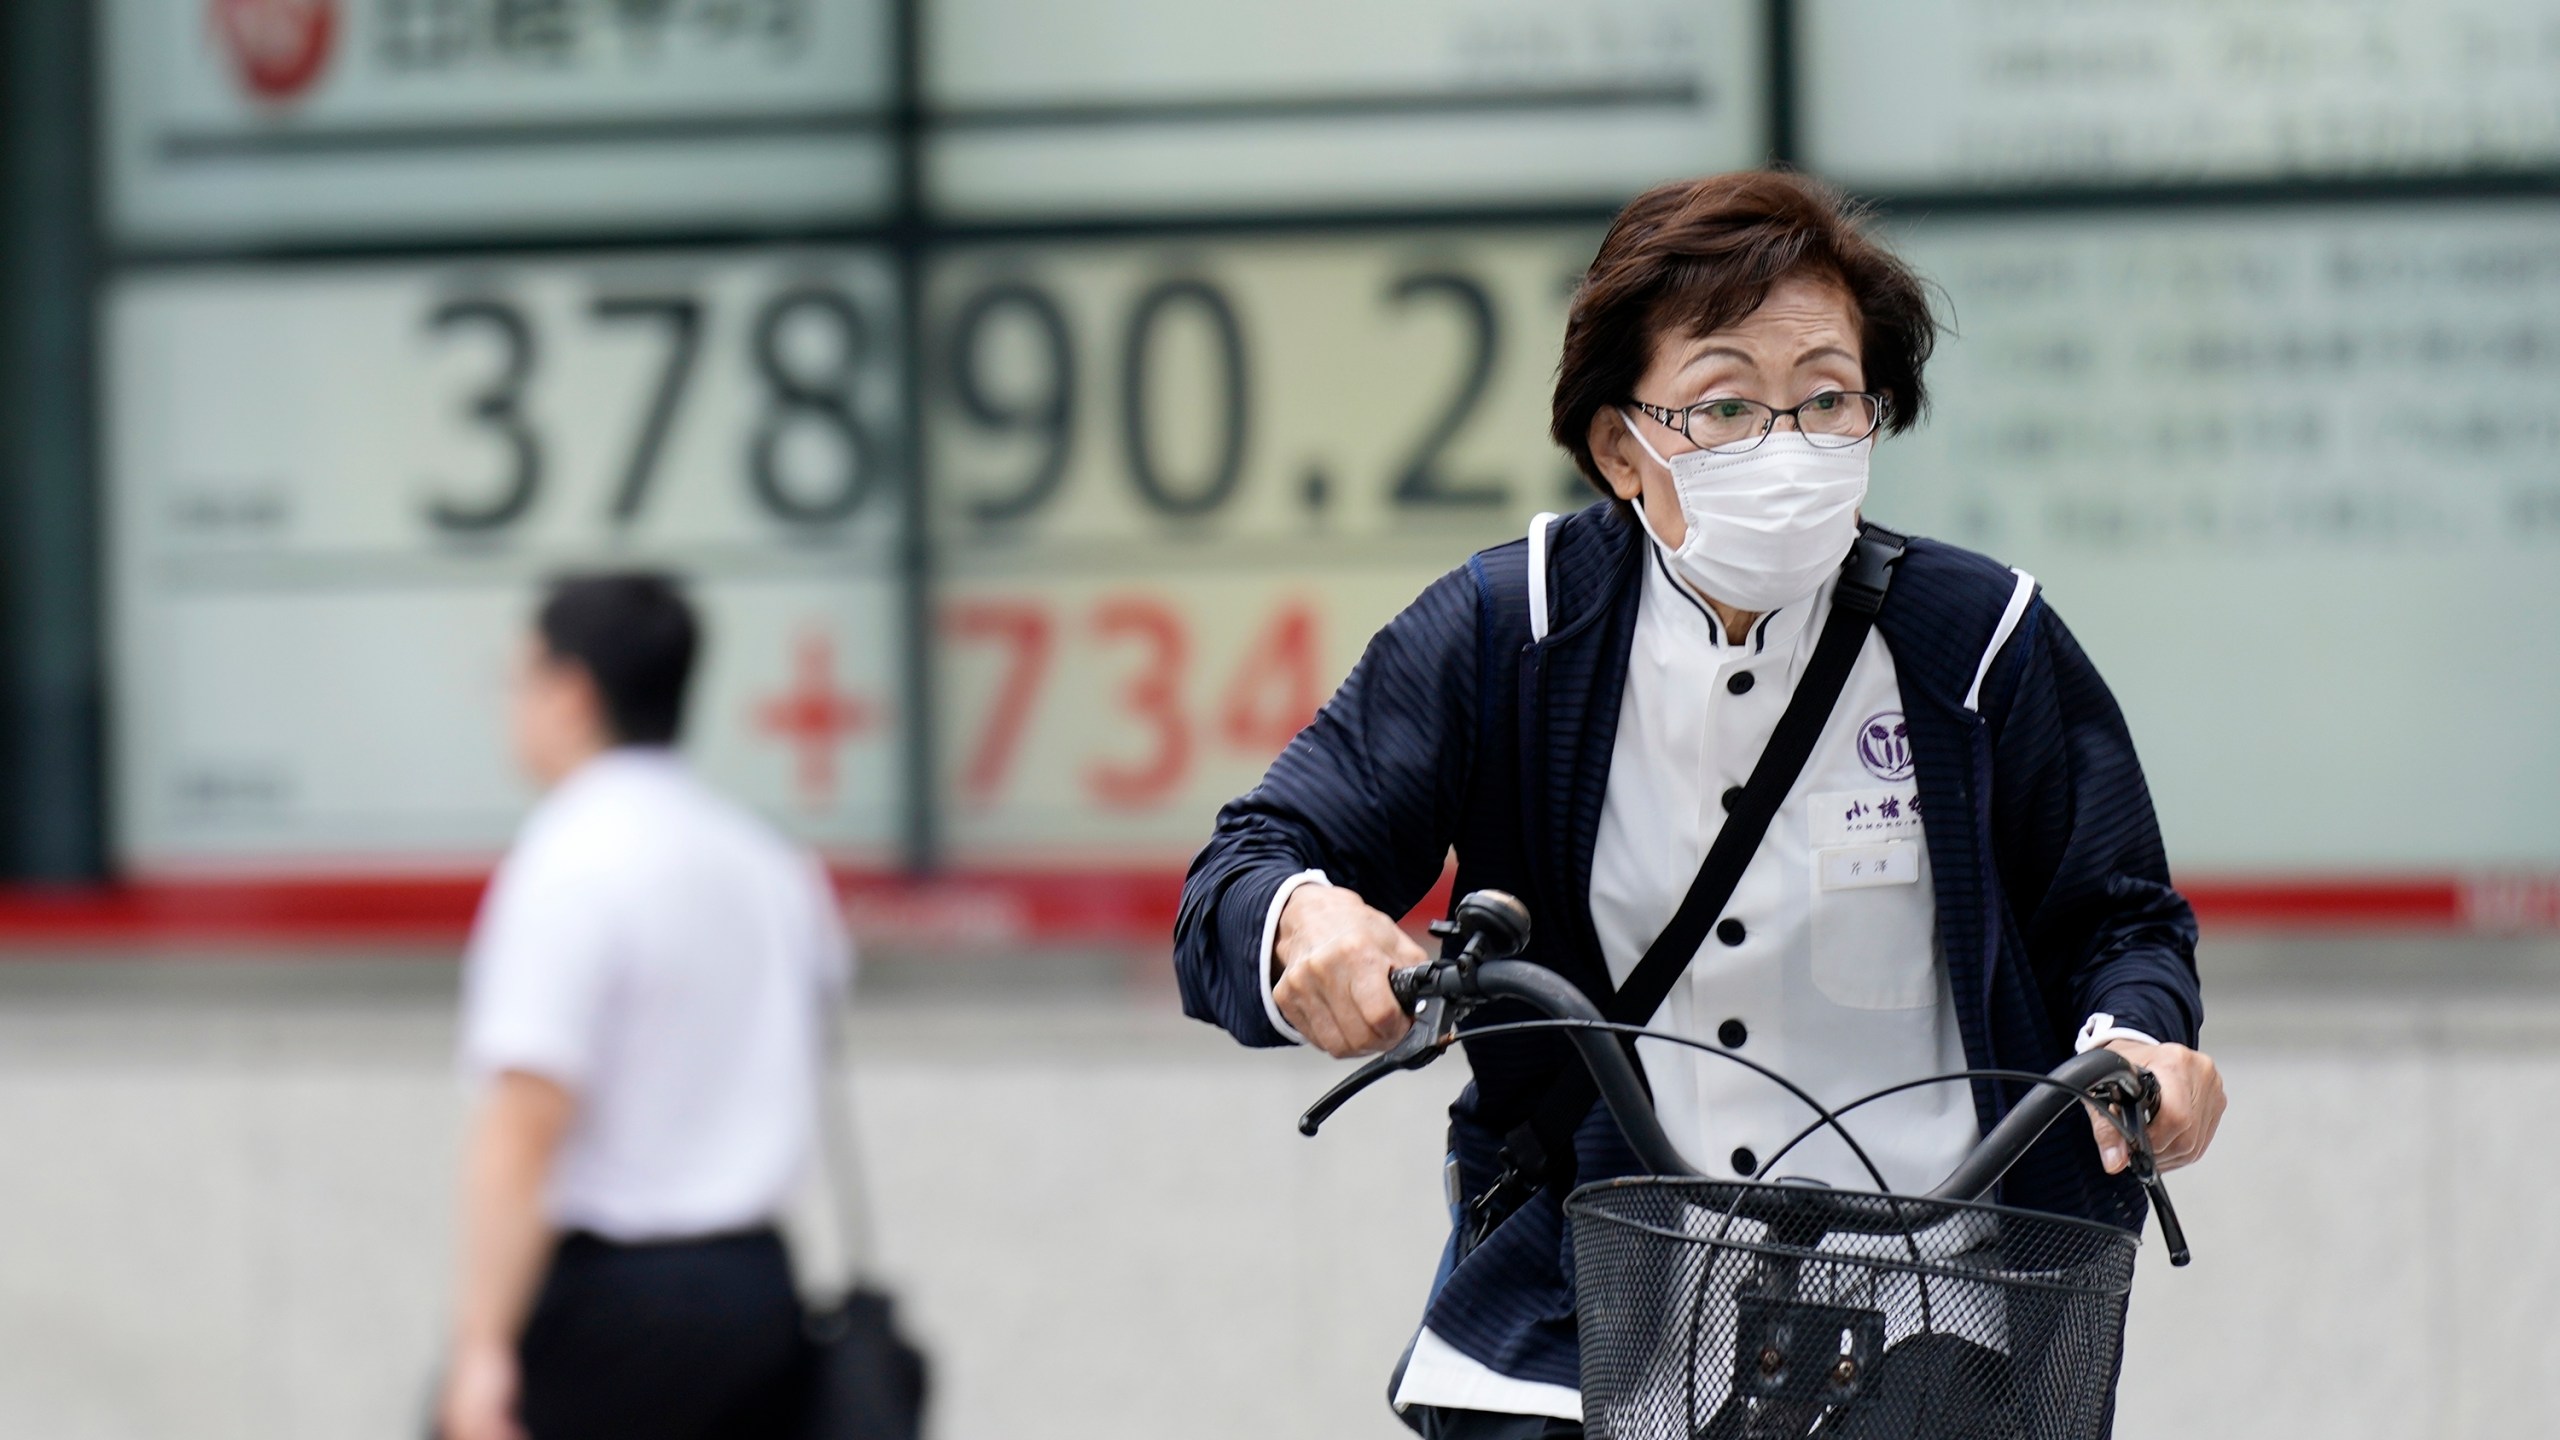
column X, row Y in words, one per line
column 264, row 121
column 1935, row 95
column 1167, row 107
column 2251, row 452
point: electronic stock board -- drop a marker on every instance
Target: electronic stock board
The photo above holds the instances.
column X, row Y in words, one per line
column 1233, row 335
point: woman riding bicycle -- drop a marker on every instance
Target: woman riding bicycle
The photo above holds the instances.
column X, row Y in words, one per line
column 1853, row 805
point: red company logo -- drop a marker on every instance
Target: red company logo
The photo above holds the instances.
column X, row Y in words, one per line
column 278, row 46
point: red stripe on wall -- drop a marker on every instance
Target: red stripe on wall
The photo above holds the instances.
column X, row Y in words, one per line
column 1134, row 906
column 2324, row 903
column 429, row 910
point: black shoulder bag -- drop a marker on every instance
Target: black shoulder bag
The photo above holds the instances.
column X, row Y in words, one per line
column 865, row 1379
column 1539, row 1150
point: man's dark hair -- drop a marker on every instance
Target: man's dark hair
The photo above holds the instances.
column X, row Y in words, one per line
column 1694, row 256
column 635, row 636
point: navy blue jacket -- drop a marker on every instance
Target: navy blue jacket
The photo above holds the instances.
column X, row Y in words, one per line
column 1455, row 730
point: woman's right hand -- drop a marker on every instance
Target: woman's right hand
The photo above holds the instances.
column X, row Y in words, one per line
column 1331, row 958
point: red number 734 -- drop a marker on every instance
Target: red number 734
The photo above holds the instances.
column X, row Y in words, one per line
column 1271, row 694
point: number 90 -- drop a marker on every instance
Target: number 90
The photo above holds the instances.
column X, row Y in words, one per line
column 1044, row 413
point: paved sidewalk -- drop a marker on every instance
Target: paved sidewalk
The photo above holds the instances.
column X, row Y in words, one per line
column 229, row 1186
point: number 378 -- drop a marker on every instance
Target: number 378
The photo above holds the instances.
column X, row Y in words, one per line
column 807, row 406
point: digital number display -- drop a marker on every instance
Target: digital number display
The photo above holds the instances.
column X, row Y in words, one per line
column 2300, row 468
column 1178, row 483
column 1102, row 719
column 1114, row 107
column 1924, row 94
column 1178, row 486
column 339, row 488
column 1246, row 394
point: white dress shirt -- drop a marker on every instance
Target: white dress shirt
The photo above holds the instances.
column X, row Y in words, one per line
column 668, row 958
column 1824, row 965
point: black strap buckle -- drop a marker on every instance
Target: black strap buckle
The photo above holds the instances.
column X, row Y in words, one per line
column 1524, row 1169
column 1869, row 568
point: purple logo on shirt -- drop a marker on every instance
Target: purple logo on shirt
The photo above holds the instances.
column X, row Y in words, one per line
column 1884, row 746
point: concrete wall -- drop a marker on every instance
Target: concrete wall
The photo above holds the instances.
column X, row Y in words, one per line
column 226, row 1205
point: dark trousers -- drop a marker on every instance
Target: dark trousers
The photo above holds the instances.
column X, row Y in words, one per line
column 1437, row 1424
column 685, row 1340
column 1434, row 1423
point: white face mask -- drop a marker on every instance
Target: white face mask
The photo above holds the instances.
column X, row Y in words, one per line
column 1767, row 526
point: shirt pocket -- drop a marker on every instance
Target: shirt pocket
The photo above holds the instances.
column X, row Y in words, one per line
column 1872, row 918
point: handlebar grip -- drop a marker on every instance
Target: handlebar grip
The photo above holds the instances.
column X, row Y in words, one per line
column 1407, row 983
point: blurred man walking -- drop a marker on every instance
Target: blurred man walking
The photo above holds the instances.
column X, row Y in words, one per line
column 643, row 1011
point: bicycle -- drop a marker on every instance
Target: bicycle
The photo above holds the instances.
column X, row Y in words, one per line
column 1786, row 1309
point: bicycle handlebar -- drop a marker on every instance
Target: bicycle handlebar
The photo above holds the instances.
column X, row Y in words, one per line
column 1614, row 1071
column 1496, row 924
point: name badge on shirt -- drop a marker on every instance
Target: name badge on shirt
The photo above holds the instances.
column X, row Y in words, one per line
column 1855, row 867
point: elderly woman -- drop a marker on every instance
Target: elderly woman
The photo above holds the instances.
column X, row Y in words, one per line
column 1943, row 853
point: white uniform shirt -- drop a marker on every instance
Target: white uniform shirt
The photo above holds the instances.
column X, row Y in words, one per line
column 1824, row 966
column 668, row 958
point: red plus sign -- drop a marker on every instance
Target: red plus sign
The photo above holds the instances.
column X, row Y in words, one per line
column 814, row 718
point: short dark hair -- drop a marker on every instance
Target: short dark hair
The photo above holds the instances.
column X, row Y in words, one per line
column 635, row 636
column 1697, row 255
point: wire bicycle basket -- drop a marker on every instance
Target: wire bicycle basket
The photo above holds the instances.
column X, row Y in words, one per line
column 1717, row 1310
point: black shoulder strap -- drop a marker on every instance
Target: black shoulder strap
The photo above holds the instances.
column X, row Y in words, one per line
column 1853, row 613
column 1543, row 1146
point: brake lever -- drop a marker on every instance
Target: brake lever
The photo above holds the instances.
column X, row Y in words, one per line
column 1486, row 925
column 1426, row 1041
column 2136, row 1103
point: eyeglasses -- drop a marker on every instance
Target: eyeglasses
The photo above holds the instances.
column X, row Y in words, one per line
column 1832, row 420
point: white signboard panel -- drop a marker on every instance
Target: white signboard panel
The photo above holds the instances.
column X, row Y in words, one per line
column 2294, row 479
column 335, row 491
column 1179, row 486
column 1918, row 94
column 267, row 120
column 1108, row 107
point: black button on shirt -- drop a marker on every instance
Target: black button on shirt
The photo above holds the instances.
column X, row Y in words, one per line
column 1744, row 1162
column 1740, row 683
column 1732, row 1033
column 1732, row 797
column 1730, row 931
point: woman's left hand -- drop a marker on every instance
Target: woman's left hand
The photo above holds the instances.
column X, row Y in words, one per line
column 2191, row 1104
